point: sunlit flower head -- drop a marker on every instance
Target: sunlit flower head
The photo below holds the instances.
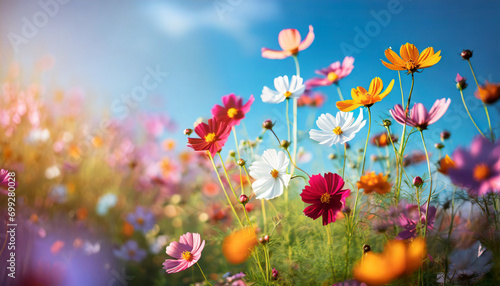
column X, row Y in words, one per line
column 284, row 89
column 233, row 110
column 238, row 246
column 398, row 259
column 327, row 196
column 187, row 252
column 411, row 217
column 445, row 164
column 411, row 60
column 289, row 40
column 333, row 73
column 372, row 182
column 488, row 93
column 270, row 174
column 337, row 130
column 362, row 97
column 477, row 169
column 419, row 117
column 213, row 136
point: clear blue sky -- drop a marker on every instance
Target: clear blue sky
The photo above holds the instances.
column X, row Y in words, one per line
column 105, row 47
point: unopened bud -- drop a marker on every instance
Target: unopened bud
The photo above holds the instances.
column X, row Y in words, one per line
column 418, row 182
column 366, row 248
column 241, row 162
column 445, row 135
column 439, row 145
column 347, row 146
column 243, row 199
column 275, row 274
column 374, row 158
column 387, row 122
column 268, row 124
column 466, row 54
column 266, row 238
column 332, row 156
column 188, row 131
column 285, row 144
column 232, row 153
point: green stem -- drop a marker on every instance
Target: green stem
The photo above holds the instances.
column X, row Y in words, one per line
column 330, row 249
column 430, row 184
column 227, row 176
column 367, row 138
column 287, row 120
column 206, row 280
column 339, row 92
column 295, row 123
column 402, row 94
column 345, row 156
column 484, row 105
column 467, row 109
column 224, row 189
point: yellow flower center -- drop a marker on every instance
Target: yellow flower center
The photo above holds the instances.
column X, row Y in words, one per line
column 338, row 130
column 481, row 172
column 325, row 198
column 210, row 138
column 411, row 66
column 186, row 255
column 231, row 112
column 275, row 173
column 140, row 221
column 288, row 94
column 332, row 76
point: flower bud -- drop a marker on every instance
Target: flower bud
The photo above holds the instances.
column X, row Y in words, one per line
column 366, row 248
column 243, row 199
column 466, row 54
column 374, row 158
column 387, row 122
column 275, row 274
column 439, row 145
column 360, row 150
column 285, row 144
column 268, row 124
column 461, row 82
column 232, row 153
column 347, row 146
column 418, row 182
column 266, row 238
column 241, row 162
column 188, row 131
column 445, row 135
column 332, row 156
column 261, row 240
column 347, row 210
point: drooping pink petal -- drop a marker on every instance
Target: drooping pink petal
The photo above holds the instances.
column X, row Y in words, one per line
column 289, row 39
column 438, row 110
column 308, row 40
column 274, row 54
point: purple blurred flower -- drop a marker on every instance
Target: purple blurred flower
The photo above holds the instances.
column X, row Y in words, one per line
column 333, row 73
column 142, row 219
column 411, row 216
column 419, row 116
column 130, row 251
column 477, row 169
column 350, row 283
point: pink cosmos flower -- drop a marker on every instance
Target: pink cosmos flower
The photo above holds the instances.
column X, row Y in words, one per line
column 327, row 196
column 4, row 181
column 419, row 116
column 461, row 82
column 233, row 110
column 477, row 169
column 187, row 251
column 333, row 73
column 289, row 40
column 213, row 136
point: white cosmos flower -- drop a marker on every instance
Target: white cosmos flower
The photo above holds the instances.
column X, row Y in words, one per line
column 284, row 89
column 270, row 174
column 337, row 130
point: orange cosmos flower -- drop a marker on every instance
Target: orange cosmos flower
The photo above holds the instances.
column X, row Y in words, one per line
column 289, row 40
column 371, row 182
column 361, row 97
column 397, row 260
column 488, row 93
column 411, row 60
column 237, row 246
column 445, row 164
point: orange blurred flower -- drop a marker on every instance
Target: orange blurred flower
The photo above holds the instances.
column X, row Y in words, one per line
column 169, row 144
column 97, row 141
column 82, row 213
column 237, row 246
column 488, row 93
column 210, row 189
column 411, row 60
column 445, row 164
column 382, row 140
column 56, row 247
column 371, row 182
column 398, row 259
column 127, row 229
column 362, row 97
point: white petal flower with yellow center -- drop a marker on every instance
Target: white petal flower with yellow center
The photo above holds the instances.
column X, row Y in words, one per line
column 337, row 130
column 270, row 174
column 284, row 89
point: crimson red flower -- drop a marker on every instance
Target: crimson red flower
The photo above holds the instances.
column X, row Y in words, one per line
column 213, row 136
column 233, row 110
column 327, row 196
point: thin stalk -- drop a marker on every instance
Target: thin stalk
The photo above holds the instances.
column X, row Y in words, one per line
column 264, row 217
column 289, row 156
column 297, row 68
column 402, row 94
column 288, row 120
column 339, row 92
column 239, row 157
column 484, row 105
column 206, row 280
column 227, row 176
column 345, row 156
column 430, row 184
column 367, row 138
column 224, row 189
column 330, row 249
column 468, row 112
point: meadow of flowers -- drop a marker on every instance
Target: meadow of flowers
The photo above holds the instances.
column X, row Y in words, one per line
column 112, row 202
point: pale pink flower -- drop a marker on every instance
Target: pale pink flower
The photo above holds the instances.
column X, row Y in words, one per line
column 187, row 252
column 419, row 117
column 289, row 40
column 333, row 73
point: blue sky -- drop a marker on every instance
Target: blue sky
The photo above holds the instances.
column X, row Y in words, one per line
column 106, row 46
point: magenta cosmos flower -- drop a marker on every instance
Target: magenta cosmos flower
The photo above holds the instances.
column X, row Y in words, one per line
column 289, row 40
column 233, row 110
column 419, row 116
column 326, row 195
column 477, row 169
column 187, row 251
column 333, row 73
column 213, row 136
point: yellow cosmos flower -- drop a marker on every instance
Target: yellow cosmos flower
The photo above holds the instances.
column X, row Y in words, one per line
column 411, row 60
column 361, row 97
column 445, row 164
